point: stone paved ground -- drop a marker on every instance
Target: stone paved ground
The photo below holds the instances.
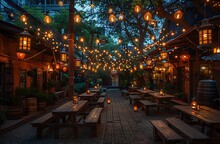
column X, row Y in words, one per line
column 119, row 125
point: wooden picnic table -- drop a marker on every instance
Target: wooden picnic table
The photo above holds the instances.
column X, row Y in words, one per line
column 135, row 99
column 68, row 112
column 145, row 91
column 159, row 98
column 209, row 117
column 85, row 96
column 95, row 90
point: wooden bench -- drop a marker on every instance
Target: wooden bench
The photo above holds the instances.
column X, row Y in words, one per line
column 59, row 94
column 133, row 93
column 93, row 119
column 146, row 105
column 160, row 129
column 42, row 123
column 135, row 99
column 101, row 101
column 103, row 94
column 179, row 102
column 125, row 93
column 191, row 134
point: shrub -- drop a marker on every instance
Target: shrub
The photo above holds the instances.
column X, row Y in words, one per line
column 51, row 83
column 14, row 101
column 42, row 96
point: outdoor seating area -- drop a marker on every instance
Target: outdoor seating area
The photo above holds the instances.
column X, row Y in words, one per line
column 109, row 71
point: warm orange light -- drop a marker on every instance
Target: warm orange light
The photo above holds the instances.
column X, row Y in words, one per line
column 205, row 35
column 137, row 8
column 147, row 16
column 184, row 57
column 141, row 66
column 23, row 18
column 47, row 19
column 77, row 18
column 161, row 92
column 20, row 55
column 64, row 69
column 121, row 16
column 216, row 50
column 108, row 100
column 112, row 18
column 57, row 66
column 163, row 54
column 119, row 40
column 178, row 14
column 135, row 108
column 194, row 104
column 75, row 99
column 81, row 39
column 60, row 3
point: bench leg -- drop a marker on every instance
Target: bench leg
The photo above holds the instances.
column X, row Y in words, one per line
column 156, row 138
column 130, row 101
column 146, row 110
column 39, row 132
column 94, row 131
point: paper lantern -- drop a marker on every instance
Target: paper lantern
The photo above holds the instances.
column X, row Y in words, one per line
column 20, row 55
column 121, row 16
column 137, row 9
column 64, row 69
column 184, row 57
column 178, row 14
column 47, row 19
column 112, row 18
column 23, row 18
column 147, row 16
column 77, row 18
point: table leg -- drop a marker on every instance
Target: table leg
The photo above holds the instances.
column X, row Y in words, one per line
column 57, row 127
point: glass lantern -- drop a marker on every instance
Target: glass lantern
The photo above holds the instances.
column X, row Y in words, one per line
column 205, row 35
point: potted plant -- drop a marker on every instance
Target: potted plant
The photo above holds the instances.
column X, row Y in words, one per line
column 51, row 85
column 31, row 100
column 51, row 99
column 14, row 107
column 41, row 101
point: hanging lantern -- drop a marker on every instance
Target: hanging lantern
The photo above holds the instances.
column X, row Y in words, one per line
column 60, row 3
column 110, row 10
column 119, row 40
column 166, row 65
column 24, row 44
column 112, row 18
column 163, row 55
column 121, row 16
column 23, row 18
column 97, row 41
column 57, row 66
column 149, row 61
column 77, row 18
column 137, row 9
column 20, row 55
column 184, row 57
column 81, row 39
column 194, row 103
column 205, row 35
column 78, row 63
column 47, row 19
column 64, row 69
column 141, row 66
column 135, row 68
column 63, row 55
column 108, row 100
column 136, row 39
column 135, row 108
column 147, row 16
column 216, row 50
column 178, row 14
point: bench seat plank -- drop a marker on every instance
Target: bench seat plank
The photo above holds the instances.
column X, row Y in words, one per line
column 165, row 132
column 93, row 116
column 42, row 120
column 146, row 105
column 187, row 131
column 179, row 102
column 101, row 101
column 103, row 94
